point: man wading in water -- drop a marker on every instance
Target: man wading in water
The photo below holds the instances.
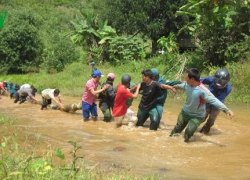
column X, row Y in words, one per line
column 121, row 113
column 151, row 90
column 89, row 96
column 220, row 87
column 193, row 111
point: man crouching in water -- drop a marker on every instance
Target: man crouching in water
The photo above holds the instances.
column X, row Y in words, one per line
column 121, row 113
column 50, row 94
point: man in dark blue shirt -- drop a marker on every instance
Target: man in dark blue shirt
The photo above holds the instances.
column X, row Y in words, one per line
column 220, row 87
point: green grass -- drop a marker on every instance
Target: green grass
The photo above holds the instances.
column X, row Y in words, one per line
column 72, row 80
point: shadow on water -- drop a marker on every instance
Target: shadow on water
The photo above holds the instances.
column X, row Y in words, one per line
column 139, row 150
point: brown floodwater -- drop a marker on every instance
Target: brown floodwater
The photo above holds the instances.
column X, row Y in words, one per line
column 223, row 154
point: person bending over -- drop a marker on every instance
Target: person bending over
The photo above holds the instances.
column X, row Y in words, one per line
column 48, row 95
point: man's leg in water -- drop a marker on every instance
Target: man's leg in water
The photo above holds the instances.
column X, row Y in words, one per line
column 212, row 114
column 154, row 119
column 142, row 116
column 193, row 124
column 182, row 122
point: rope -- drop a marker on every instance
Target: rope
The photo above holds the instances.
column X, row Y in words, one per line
column 171, row 68
column 178, row 75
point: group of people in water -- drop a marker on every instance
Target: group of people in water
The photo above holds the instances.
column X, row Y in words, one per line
column 202, row 103
column 27, row 91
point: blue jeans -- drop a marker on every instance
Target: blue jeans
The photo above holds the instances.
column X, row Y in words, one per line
column 87, row 108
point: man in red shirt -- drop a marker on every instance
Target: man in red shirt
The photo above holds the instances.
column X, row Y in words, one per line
column 121, row 113
column 2, row 88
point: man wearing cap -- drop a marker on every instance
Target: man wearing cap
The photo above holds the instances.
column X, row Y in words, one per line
column 90, row 95
column 107, row 98
column 164, row 92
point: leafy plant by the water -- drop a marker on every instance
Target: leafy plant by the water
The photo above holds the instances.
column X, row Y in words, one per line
column 21, row 158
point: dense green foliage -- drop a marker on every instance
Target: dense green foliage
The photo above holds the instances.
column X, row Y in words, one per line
column 20, row 44
column 92, row 33
column 34, row 39
column 40, row 4
column 217, row 27
column 152, row 19
column 123, row 49
column 168, row 43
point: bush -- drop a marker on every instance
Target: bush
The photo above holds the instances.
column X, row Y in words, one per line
column 59, row 51
column 20, row 45
column 123, row 49
column 195, row 59
column 239, row 51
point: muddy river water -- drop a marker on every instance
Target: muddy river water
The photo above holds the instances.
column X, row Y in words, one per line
column 223, row 154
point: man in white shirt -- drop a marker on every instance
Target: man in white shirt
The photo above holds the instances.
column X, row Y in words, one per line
column 22, row 94
column 50, row 94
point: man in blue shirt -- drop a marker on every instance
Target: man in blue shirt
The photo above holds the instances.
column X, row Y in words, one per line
column 220, row 87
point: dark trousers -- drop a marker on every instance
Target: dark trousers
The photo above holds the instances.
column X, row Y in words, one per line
column 210, row 116
column 20, row 98
column 154, row 115
column 106, row 110
column 184, row 120
column 45, row 102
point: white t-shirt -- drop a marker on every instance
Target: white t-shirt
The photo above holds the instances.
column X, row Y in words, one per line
column 25, row 86
column 25, row 92
column 49, row 94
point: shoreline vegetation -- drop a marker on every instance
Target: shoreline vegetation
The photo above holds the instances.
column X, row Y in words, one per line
column 72, row 79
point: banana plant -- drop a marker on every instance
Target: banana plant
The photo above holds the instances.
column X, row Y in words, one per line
column 93, row 32
column 168, row 43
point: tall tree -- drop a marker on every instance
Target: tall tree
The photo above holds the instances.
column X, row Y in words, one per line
column 151, row 18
